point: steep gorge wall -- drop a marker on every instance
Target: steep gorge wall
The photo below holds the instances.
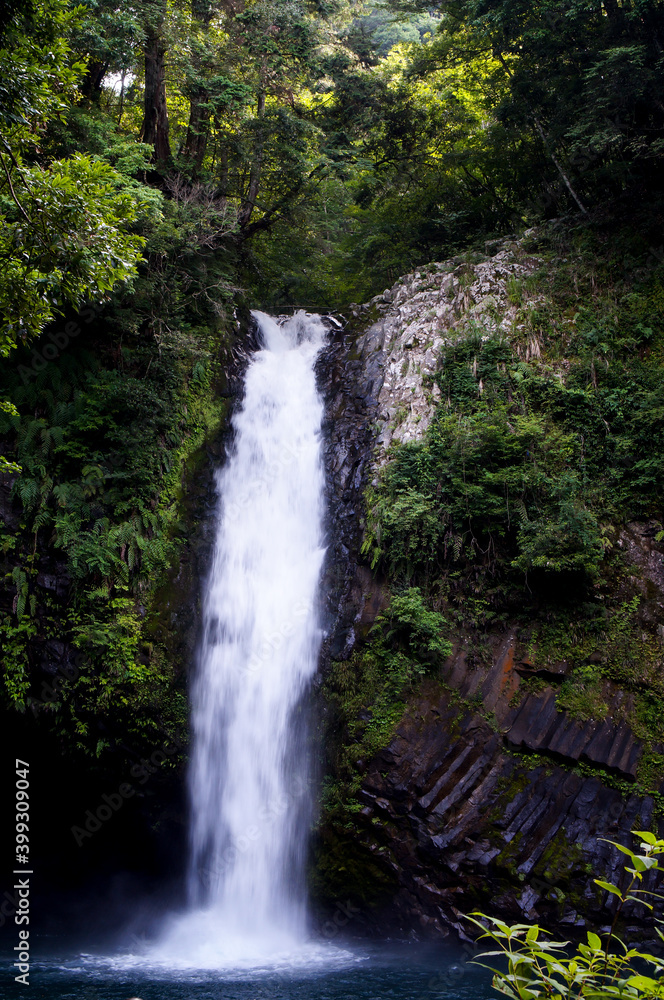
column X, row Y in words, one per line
column 486, row 793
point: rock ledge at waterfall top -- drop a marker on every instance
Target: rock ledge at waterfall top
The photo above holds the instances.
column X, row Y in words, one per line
column 421, row 313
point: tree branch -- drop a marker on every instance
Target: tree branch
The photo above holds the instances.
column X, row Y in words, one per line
column 13, row 193
column 559, row 168
column 272, row 214
column 545, row 142
column 15, row 162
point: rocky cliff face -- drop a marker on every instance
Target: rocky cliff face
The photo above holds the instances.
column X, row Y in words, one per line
column 487, row 794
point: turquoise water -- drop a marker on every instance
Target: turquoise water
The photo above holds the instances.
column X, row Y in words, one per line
column 391, row 971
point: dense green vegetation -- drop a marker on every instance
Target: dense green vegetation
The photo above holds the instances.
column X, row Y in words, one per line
column 102, row 452
column 525, row 459
column 512, row 112
column 511, row 512
column 108, row 409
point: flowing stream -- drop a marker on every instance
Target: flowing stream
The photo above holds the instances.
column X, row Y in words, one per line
column 250, row 788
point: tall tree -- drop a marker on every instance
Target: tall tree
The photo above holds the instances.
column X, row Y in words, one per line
column 279, row 41
column 108, row 35
column 199, row 112
column 63, row 224
column 584, row 80
column 156, row 128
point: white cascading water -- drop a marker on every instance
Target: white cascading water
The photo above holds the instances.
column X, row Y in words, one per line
column 249, row 779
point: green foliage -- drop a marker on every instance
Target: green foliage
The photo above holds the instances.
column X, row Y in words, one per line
column 410, row 526
column 506, row 116
column 382, row 30
column 582, row 696
column 409, row 641
column 512, row 506
column 568, row 537
column 574, row 94
column 490, row 474
column 538, row 966
column 110, row 632
column 38, row 70
column 67, row 243
column 410, row 624
column 65, row 224
column 16, row 635
column 109, row 36
column 104, row 442
column 103, row 426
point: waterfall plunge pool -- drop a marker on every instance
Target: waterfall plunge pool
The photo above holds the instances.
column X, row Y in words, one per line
column 393, row 970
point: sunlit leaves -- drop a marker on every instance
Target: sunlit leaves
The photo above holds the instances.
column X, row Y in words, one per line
column 72, row 243
column 64, row 234
column 38, row 71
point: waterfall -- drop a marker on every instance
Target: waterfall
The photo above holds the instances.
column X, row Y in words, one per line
column 249, row 781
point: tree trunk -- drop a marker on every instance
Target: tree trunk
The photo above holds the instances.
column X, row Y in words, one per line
column 616, row 15
column 223, row 173
column 94, row 77
column 195, row 144
column 155, row 129
column 256, row 172
column 557, row 165
column 545, row 142
column 122, row 96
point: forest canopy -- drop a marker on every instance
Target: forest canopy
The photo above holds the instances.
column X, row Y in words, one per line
column 311, row 126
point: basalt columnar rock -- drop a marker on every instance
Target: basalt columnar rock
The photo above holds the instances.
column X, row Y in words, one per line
column 420, row 314
column 488, row 794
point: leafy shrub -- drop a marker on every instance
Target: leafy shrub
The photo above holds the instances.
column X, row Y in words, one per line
column 566, row 537
column 409, row 623
column 103, row 443
column 540, row 967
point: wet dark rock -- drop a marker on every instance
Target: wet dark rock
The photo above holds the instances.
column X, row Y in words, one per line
column 349, row 382
column 645, row 555
column 470, row 825
column 553, row 671
column 10, row 514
